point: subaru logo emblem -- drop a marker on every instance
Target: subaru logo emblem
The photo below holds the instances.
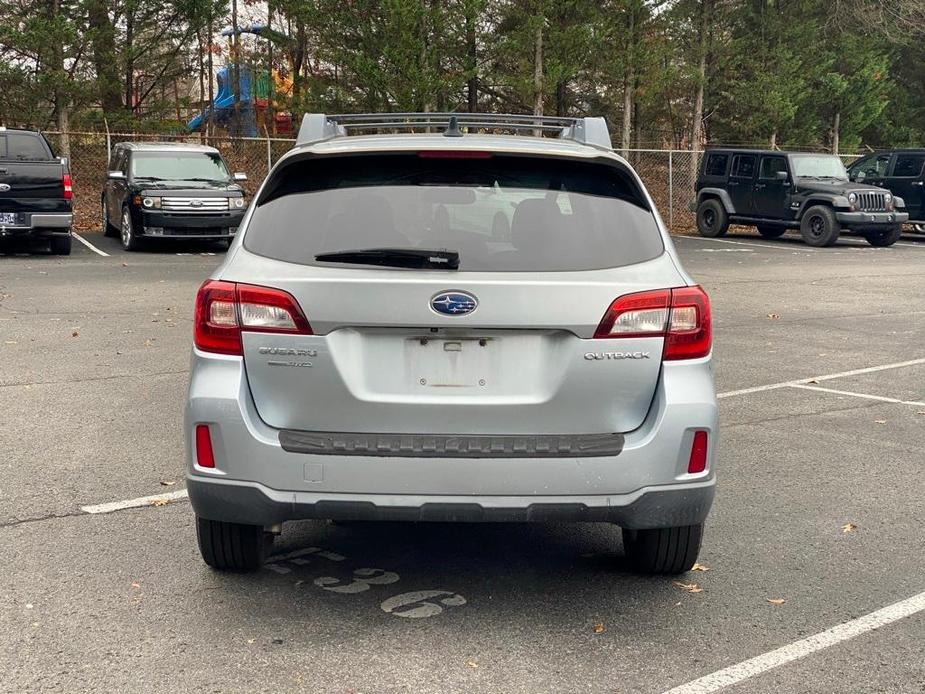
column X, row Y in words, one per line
column 4, row 187
column 454, row 303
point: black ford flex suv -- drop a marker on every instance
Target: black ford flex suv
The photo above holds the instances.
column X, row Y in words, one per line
column 159, row 190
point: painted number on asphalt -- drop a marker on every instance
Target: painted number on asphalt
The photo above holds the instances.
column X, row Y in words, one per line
column 422, row 603
column 359, row 582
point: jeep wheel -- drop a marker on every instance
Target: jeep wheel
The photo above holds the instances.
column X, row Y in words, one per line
column 663, row 550
column 712, row 220
column 232, row 546
column 887, row 237
column 770, row 232
column 819, row 227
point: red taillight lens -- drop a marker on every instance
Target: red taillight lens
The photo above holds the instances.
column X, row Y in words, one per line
column 636, row 315
column 68, row 189
column 225, row 309
column 204, row 455
column 690, row 330
column 698, row 460
column 681, row 316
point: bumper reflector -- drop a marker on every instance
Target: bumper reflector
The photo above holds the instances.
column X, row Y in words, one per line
column 698, row 460
column 204, row 457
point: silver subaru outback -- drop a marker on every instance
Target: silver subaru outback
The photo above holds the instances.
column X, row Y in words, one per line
column 452, row 326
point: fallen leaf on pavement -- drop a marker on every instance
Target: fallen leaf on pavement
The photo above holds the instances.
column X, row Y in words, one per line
column 167, row 483
column 76, row 333
column 776, row 601
column 699, row 567
column 812, row 380
column 599, row 628
column 472, row 663
column 159, row 502
column 879, row 421
column 773, row 316
column 135, row 584
column 849, row 528
column 688, row 587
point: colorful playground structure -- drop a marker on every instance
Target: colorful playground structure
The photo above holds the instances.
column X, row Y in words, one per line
column 253, row 95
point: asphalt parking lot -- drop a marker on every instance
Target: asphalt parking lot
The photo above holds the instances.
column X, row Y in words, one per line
column 818, row 520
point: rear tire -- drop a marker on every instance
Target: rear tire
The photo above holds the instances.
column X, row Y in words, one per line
column 232, row 546
column 712, row 220
column 61, row 245
column 108, row 229
column 771, row 232
column 819, row 227
column 663, row 550
column 885, row 238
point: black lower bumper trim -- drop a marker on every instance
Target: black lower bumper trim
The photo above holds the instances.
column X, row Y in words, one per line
column 452, row 445
column 662, row 508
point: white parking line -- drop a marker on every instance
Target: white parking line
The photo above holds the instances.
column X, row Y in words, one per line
column 826, row 377
column 154, row 500
column 791, row 249
column 89, row 245
column 881, row 398
column 802, row 648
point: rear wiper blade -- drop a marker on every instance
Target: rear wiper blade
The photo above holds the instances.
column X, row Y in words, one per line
column 395, row 257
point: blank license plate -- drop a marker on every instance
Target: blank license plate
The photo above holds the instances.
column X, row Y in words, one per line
column 450, row 363
column 7, row 218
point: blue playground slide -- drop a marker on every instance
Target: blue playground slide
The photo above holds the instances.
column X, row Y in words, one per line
column 223, row 105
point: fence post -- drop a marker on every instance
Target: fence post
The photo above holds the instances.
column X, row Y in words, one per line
column 269, row 150
column 670, row 191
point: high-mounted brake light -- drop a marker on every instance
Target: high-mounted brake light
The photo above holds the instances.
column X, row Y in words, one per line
column 453, row 154
column 68, row 189
column 681, row 316
column 225, row 309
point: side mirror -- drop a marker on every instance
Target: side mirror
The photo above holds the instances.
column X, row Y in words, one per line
column 240, row 176
column 781, row 176
column 115, row 176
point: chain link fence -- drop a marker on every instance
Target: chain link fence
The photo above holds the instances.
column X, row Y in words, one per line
column 669, row 175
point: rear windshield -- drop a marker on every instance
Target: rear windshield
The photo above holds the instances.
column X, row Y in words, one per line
column 24, row 147
column 500, row 213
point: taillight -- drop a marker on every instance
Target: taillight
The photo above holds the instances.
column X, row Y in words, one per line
column 68, row 189
column 225, row 309
column 690, row 330
column 204, row 455
column 681, row 316
column 698, row 459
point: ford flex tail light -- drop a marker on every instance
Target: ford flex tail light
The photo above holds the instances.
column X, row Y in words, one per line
column 681, row 316
column 225, row 309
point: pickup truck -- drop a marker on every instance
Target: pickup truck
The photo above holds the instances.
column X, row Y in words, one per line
column 35, row 192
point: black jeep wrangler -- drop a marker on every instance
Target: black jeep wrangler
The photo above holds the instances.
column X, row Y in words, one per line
column 776, row 191
column 900, row 171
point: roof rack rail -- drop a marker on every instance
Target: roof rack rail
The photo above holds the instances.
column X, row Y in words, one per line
column 589, row 130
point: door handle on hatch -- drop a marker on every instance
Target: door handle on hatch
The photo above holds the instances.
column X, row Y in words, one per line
column 918, row 183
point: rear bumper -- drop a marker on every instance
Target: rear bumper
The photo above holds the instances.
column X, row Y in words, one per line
column 255, row 504
column 868, row 219
column 38, row 224
column 256, row 480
